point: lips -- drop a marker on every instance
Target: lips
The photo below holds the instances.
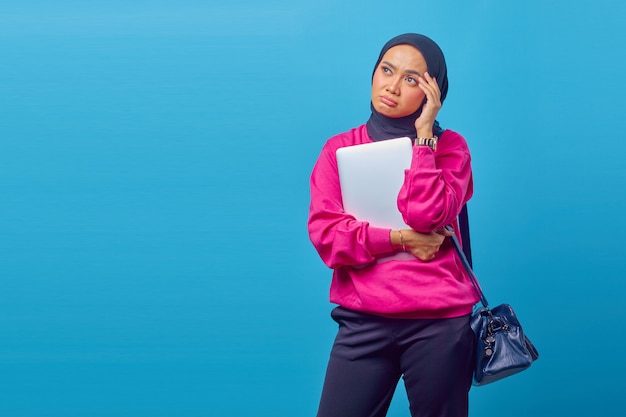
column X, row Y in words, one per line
column 387, row 101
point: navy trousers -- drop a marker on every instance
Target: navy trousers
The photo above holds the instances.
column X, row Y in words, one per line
column 371, row 353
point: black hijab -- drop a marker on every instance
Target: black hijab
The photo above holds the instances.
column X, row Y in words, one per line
column 381, row 127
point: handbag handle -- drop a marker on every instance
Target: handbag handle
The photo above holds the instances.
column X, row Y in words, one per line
column 468, row 268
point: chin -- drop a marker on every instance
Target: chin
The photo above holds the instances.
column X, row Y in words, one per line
column 385, row 111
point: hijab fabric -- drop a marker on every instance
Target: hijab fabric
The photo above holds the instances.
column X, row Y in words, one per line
column 380, row 127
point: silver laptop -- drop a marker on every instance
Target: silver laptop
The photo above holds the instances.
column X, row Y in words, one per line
column 371, row 176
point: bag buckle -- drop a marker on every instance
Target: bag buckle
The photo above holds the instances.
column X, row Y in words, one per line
column 493, row 326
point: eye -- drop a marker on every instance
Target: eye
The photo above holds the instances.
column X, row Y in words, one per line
column 411, row 80
column 385, row 70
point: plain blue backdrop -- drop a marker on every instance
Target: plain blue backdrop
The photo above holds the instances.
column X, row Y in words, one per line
column 154, row 170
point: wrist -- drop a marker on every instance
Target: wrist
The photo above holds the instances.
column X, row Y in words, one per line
column 425, row 132
column 430, row 141
column 397, row 240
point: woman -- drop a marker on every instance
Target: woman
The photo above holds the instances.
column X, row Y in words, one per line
column 406, row 319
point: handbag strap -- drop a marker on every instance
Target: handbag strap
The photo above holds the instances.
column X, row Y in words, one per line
column 467, row 264
column 465, row 234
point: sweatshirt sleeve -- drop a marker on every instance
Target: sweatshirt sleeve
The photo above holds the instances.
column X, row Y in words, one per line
column 437, row 184
column 339, row 238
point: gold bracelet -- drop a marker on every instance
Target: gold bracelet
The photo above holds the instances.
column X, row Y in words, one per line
column 402, row 240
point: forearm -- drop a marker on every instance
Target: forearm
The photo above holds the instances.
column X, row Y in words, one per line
column 435, row 188
column 339, row 238
column 347, row 242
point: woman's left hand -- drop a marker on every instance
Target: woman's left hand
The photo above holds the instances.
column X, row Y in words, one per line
column 423, row 246
column 430, row 109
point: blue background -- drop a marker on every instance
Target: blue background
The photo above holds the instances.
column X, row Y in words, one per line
column 154, row 170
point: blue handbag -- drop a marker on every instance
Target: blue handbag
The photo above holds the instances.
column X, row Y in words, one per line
column 502, row 348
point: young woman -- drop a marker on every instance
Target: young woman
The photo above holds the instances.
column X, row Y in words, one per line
column 406, row 319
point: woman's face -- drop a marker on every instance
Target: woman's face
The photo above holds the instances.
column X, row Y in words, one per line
column 395, row 89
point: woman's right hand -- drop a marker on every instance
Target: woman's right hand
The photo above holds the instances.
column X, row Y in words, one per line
column 423, row 246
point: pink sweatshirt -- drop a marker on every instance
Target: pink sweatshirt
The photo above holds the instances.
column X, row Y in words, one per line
column 434, row 191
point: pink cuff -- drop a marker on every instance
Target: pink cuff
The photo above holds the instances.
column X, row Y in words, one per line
column 423, row 158
column 379, row 240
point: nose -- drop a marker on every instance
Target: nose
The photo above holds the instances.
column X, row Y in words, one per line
column 394, row 85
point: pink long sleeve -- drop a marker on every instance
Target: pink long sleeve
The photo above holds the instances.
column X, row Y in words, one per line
column 437, row 185
column 339, row 238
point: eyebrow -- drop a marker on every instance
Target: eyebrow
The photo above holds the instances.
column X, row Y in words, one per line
column 409, row 71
